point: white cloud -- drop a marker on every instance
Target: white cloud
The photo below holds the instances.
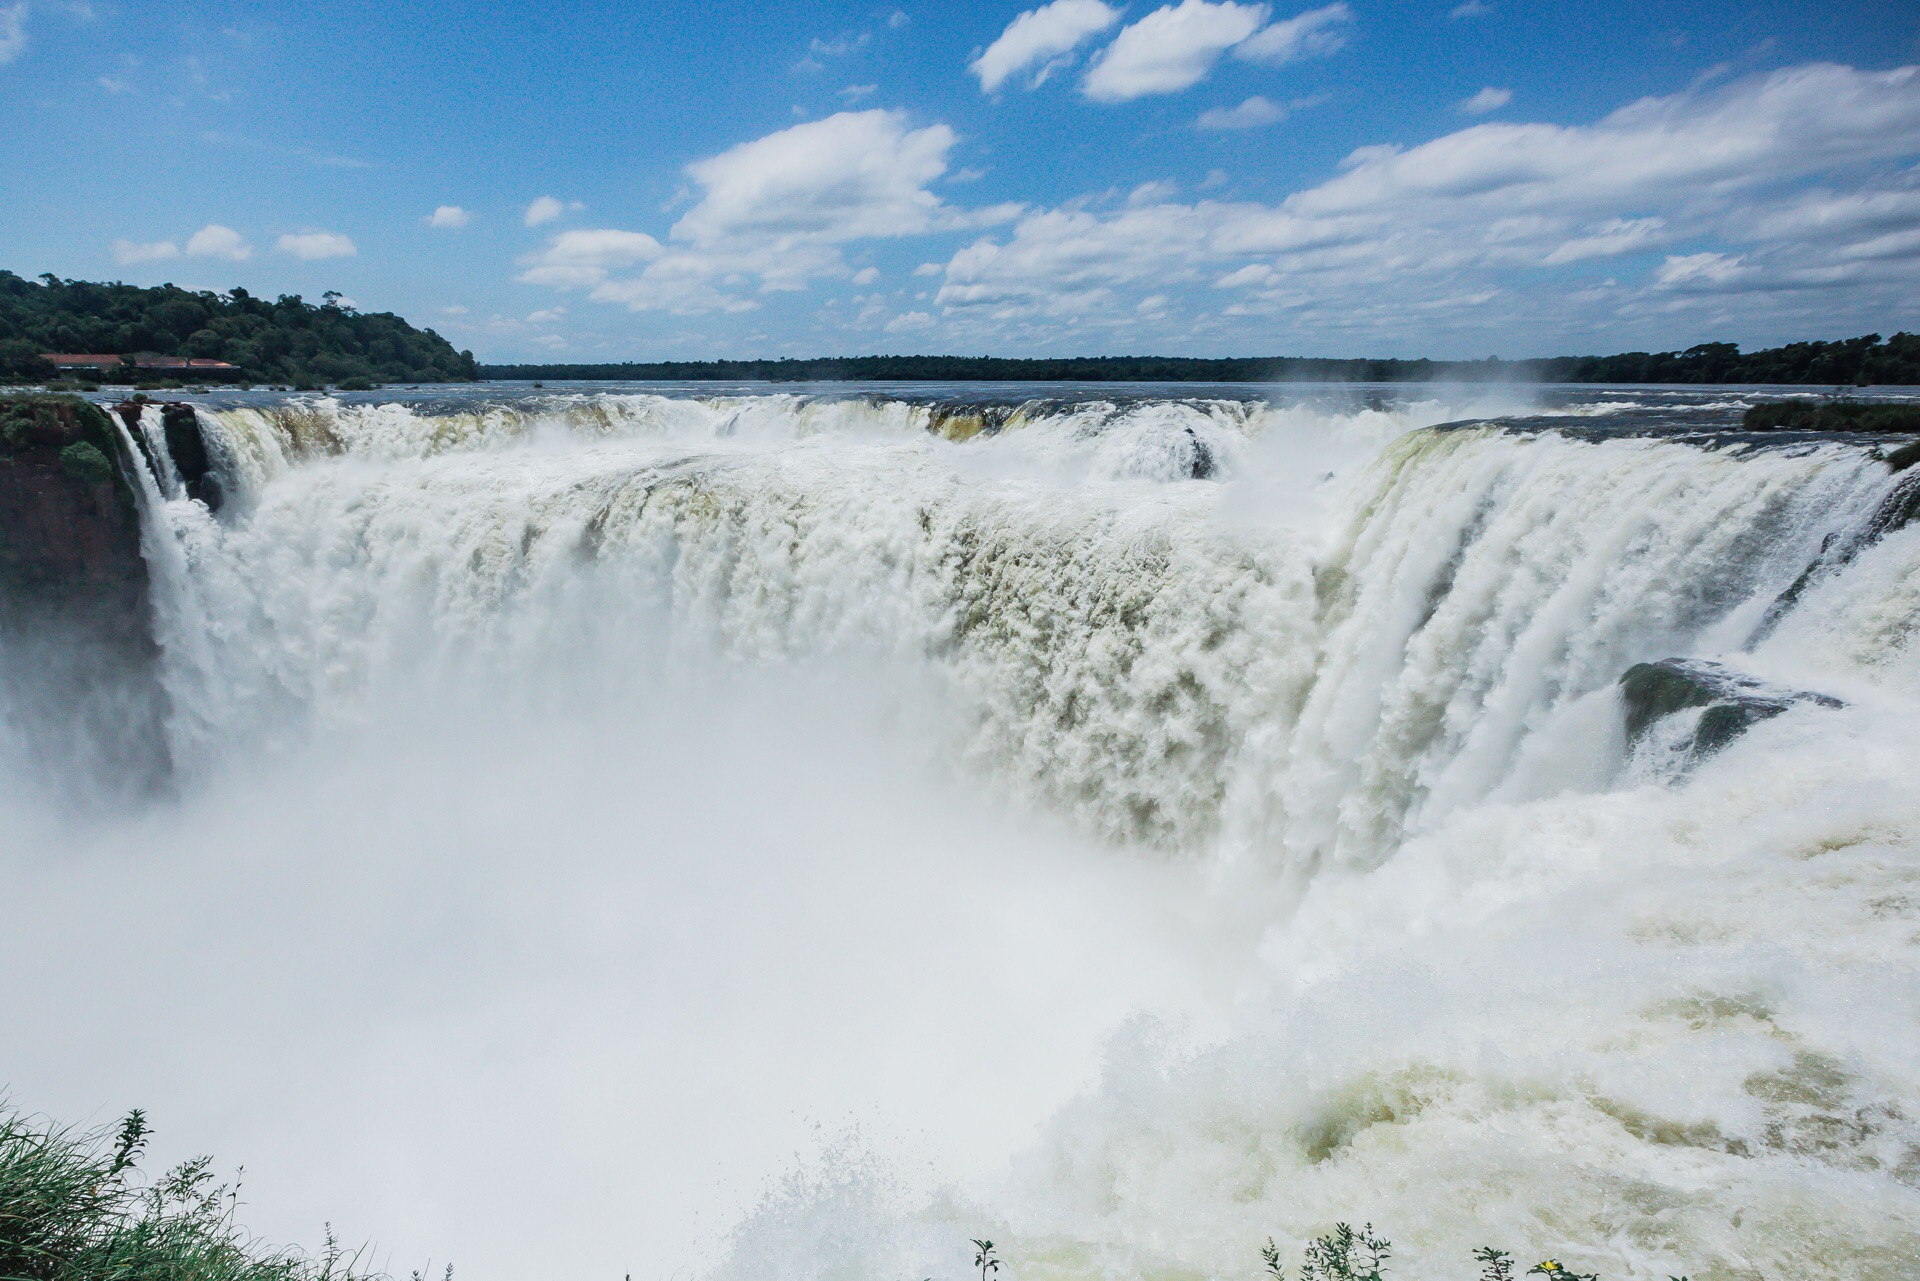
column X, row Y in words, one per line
column 546, row 315
column 929, row 269
column 552, row 342
column 909, row 322
column 1255, row 113
column 1472, row 9
column 866, row 276
column 1170, row 49
column 1313, row 34
column 898, row 19
column 1401, row 240
column 215, row 241
column 314, row 245
column 127, row 252
column 455, row 310
column 579, row 259
column 543, row 209
column 838, row 47
column 450, row 217
column 853, row 93
column 1699, row 269
column 773, row 212
column 1488, row 99
column 13, row 31
column 1038, row 36
column 1610, row 239
column 850, row 176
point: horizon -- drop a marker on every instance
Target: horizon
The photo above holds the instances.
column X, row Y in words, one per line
column 1206, row 180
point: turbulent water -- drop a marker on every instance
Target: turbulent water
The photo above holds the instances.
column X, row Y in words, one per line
column 657, row 832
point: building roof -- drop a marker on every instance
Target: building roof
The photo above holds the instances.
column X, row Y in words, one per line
column 101, row 360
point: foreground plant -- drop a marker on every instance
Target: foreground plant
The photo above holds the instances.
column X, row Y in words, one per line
column 1347, row 1255
column 71, row 1210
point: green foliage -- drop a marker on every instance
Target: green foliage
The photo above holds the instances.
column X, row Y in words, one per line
column 1848, row 362
column 1346, row 1255
column 984, row 1259
column 288, row 340
column 1552, row 1271
column 1831, row 415
column 71, row 1209
column 86, row 464
column 1495, row 1265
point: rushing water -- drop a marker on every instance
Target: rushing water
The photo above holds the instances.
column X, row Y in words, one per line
column 643, row 830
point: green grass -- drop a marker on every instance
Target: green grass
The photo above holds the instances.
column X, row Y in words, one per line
column 75, row 1206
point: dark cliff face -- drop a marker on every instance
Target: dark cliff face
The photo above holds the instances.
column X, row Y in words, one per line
column 78, row 685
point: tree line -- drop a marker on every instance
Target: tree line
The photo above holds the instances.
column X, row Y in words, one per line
column 1863, row 361
column 288, row 340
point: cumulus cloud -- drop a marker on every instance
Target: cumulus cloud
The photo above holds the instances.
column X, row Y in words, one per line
column 851, row 176
column 1488, row 99
column 544, row 209
column 1170, row 49
column 449, row 217
column 215, row 241
column 127, row 252
column 314, row 245
column 1255, row 113
column 13, row 31
column 1787, row 187
column 773, row 213
column 577, row 259
column 910, row 322
column 1038, row 37
column 1313, row 34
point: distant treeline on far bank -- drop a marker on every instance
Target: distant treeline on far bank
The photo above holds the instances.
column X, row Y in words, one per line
column 1865, row 361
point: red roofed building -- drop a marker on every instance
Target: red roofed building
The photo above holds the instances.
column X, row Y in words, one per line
column 107, row 362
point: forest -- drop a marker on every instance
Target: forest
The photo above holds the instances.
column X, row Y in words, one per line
column 286, row 341
column 1863, row 361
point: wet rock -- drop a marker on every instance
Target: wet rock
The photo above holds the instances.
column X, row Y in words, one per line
column 1831, row 415
column 77, row 657
column 189, row 450
column 1733, row 701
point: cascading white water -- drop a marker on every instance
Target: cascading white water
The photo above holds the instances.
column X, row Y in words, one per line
column 1439, row 955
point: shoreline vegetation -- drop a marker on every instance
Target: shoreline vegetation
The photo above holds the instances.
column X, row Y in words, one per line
column 307, row 347
column 1853, row 362
column 287, row 341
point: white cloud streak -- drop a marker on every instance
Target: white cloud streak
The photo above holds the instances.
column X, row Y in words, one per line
column 310, row 246
column 1313, row 34
column 13, row 31
column 216, row 241
column 1170, row 49
column 1035, row 39
column 1255, row 113
column 1488, row 99
column 449, row 218
column 127, row 252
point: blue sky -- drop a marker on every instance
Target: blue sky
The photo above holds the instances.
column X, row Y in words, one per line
column 597, row 181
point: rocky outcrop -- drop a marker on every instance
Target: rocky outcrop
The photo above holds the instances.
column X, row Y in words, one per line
column 1733, row 701
column 1832, row 415
column 77, row 658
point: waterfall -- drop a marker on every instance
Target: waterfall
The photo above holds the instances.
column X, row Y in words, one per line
column 1125, row 825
